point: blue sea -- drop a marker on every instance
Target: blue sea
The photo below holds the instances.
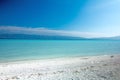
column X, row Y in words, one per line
column 14, row 50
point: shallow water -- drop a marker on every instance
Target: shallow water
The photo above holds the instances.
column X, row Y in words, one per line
column 12, row 50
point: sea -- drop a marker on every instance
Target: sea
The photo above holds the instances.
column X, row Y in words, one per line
column 17, row 50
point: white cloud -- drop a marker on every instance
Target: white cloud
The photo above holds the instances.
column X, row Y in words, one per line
column 45, row 31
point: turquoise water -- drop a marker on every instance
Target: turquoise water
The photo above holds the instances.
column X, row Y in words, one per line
column 11, row 50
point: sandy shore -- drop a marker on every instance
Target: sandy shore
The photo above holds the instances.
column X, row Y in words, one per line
column 105, row 67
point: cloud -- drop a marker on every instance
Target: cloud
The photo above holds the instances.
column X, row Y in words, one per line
column 45, row 31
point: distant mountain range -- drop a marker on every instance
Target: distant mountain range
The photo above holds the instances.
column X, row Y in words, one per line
column 117, row 37
column 47, row 37
column 110, row 38
column 42, row 37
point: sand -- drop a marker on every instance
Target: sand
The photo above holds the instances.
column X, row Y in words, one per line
column 105, row 67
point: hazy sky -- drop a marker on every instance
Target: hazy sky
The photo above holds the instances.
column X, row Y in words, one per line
column 89, row 18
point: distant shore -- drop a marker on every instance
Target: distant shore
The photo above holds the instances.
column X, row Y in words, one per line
column 106, row 67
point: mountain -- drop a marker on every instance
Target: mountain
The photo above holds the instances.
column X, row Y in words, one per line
column 116, row 37
column 50, row 37
column 106, row 38
column 42, row 37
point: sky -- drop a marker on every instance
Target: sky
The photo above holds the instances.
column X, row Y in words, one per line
column 82, row 18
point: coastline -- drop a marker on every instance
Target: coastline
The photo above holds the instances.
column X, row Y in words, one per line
column 104, row 67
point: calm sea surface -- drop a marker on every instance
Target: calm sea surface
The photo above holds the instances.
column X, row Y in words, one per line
column 12, row 50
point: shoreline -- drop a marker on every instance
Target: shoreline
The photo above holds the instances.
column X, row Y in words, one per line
column 52, row 58
column 103, row 67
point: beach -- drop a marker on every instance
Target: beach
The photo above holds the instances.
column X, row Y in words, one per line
column 105, row 67
column 59, row 40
